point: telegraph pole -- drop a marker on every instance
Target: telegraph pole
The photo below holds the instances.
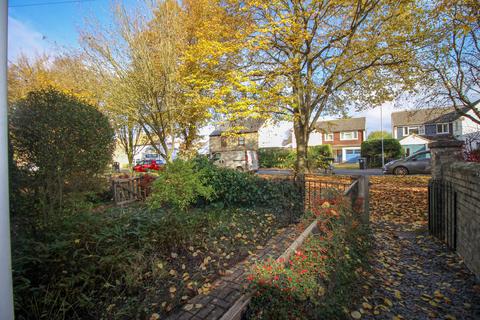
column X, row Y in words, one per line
column 381, row 130
column 6, row 292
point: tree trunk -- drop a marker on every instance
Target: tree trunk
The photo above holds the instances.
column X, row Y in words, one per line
column 301, row 138
column 131, row 146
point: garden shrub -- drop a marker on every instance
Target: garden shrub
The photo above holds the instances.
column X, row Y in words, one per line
column 315, row 282
column 286, row 158
column 317, row 157
column 115, row 264
column 62, row 144
column 372, row 150
column 179, row 186
column 472, row 155
column 234, row 188
column 276, row 157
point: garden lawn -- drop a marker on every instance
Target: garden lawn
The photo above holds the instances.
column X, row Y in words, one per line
column 346, row 165
column 129, row 263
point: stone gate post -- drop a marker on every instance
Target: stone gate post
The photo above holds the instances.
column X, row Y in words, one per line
column 444, row 152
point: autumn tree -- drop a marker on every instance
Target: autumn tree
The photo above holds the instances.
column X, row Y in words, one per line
column 452, row 59
column 70, row 73
column 139, row 72
column 66, row 73
column 128, row 131
column 169, row 65
column 377, row 135
column 309, row 57
column 211, row 69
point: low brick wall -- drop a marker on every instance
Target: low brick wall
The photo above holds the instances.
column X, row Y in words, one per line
column 465, row 177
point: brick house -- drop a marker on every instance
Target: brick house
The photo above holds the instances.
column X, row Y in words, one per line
column 345, row 136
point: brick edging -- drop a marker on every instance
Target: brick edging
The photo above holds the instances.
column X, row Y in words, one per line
column 236, row 310
column 229, row 289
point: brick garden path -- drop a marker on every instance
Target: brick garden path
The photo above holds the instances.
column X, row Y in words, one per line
column 413, row 276
column 230, row 287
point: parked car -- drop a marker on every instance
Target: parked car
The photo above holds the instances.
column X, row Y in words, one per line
column 147, row 165
column 419, row 162
column 244, row 160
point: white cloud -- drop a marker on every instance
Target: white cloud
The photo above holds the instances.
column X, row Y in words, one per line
column 24, row 39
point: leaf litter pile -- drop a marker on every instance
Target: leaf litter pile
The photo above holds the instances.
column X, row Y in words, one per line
column 412, row 276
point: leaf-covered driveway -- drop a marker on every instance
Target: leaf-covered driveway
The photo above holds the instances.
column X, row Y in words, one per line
column 413, row 276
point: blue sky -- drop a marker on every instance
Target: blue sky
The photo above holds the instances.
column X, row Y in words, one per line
column 48, row 28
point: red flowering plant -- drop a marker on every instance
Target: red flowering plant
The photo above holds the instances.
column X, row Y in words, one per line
column 300, row 285
column 283, row 288
column 472, row 155
column 146, row 181
column 295, row 277
column 323, row 204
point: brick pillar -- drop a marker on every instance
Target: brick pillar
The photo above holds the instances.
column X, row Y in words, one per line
column 444, row 152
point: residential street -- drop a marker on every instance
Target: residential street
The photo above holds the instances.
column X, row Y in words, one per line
column 345, row 172
column 413, row 276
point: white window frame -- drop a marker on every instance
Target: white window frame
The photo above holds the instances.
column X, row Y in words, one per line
column 328, row 137
column 413, row 128
column 421, row 130
column 443, row 124
column 407, row 130
column 355, row 135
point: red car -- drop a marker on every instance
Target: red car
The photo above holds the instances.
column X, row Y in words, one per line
column 147, row 165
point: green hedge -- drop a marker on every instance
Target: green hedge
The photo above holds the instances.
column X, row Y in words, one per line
column 276, row 157
column 286, row 158
column 179, row 185
column 372, row 150
column 233, row 188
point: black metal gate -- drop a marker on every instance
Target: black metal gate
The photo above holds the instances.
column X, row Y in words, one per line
column 442, row 212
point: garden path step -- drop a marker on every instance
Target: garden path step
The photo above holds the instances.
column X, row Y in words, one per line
column 230, row 287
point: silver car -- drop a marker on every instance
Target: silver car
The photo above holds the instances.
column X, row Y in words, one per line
column 419, row 162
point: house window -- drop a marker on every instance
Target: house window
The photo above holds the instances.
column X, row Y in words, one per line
column 412, row 130
column 241, row 141
column 442, row 128
column 349, row 135
column 223, row 142
column 328, row 137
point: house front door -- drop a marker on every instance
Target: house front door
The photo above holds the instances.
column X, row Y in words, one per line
column 338, row 157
